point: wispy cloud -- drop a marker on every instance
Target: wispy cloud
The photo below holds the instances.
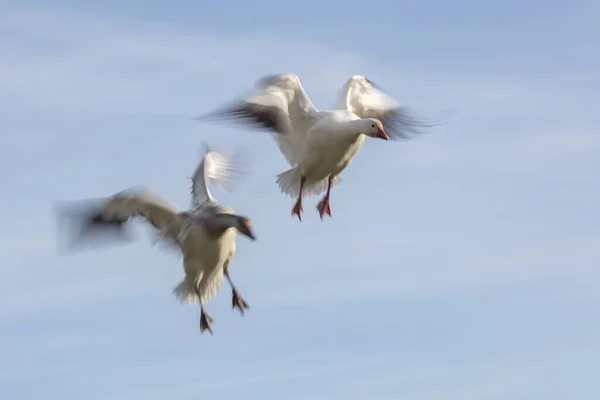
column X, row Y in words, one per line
column 279, row 371
column 141, row 67
column 509, row 375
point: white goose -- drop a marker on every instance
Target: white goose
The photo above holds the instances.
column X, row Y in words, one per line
column 205, row 234
column 319, row 145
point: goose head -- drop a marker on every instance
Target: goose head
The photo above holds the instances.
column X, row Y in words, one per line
column 244, row 226
column 374, row 128
column 220, row 222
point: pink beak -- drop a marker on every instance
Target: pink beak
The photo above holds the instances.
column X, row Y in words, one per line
column 382, row 135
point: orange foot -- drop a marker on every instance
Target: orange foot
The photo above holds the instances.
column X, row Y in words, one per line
column 323, row 207
column 297, row 209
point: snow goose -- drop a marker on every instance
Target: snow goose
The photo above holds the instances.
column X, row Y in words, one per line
column 319, row 145
column 204, row 235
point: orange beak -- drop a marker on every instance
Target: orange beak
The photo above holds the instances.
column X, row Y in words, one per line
column 382, row 135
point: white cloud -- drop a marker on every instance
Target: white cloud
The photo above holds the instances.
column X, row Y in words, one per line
column 109, row 66
column 378, row 273
column 397, row 283
column 237, row 381
column 540, row 371
column 30, row 235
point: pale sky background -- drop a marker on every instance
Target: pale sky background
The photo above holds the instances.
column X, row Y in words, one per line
column 460, row 265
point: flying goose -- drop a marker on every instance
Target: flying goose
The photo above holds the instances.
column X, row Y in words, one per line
column 204, row 235
column 319, row 145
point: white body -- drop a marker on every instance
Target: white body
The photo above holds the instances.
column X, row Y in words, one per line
column 326, row 150
column 205, row 258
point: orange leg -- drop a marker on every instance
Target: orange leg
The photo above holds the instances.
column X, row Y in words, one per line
column 323, row 206
column 298, row 207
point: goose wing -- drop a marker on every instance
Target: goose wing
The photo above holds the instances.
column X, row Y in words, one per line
column 107, row 217
column 278, row 104
column 217, row 168
column 362, row 97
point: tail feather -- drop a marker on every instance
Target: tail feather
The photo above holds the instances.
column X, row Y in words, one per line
column 207, row 286
column 185, row 293
column 289, row 183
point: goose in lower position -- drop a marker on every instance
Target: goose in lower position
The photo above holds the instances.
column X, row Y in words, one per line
column 205, row 234
column 319, row 145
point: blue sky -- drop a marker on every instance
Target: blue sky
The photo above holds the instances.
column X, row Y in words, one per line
column 460, row 265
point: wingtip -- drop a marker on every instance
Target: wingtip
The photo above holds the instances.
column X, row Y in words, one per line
column 81, row 225
column 205, row 117
column 231, row 111
column 267, row 79
column 203, row 149
column 207, row 148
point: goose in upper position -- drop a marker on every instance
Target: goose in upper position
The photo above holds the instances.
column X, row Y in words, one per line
column 319, row 145
column 204, row 235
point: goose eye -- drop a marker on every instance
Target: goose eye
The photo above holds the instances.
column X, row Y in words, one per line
column 372, row 126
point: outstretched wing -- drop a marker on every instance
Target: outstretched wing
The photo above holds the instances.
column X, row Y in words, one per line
column 215, row 168
column 279, row 105
column 106, row 218
column 365, row 99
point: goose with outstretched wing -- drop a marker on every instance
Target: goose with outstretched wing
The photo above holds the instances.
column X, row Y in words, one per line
column 319, row 145
column 204, row 235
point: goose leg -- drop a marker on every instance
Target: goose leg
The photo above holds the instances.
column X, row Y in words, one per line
column 298, row 207
column 236, row 299
column 323, row 205
column 205, row 321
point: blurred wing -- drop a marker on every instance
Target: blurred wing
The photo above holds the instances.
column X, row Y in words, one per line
column 279, row 105
column 107, row 218
column 216, row 168
column 363, row 98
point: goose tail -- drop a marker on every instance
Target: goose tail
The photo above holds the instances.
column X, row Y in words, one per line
column 289, row 183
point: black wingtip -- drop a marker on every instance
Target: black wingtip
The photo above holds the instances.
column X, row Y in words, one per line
column 84, row 224
column 264, row 118
column 403, row 123
column 232, row 110
column 375, row 85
